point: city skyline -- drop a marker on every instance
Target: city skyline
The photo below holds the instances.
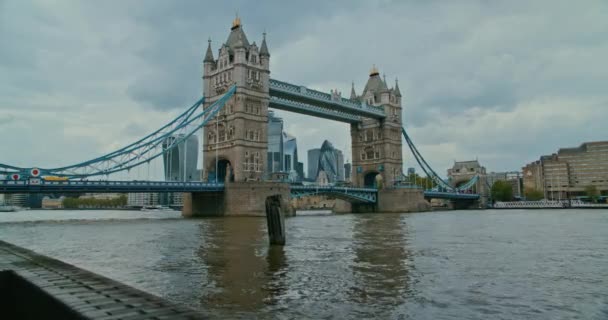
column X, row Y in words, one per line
column 499, row 90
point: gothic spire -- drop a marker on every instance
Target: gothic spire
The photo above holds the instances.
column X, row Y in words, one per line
column 353, row 94
column 209, row 54
column 264, row 48
column 397, row 91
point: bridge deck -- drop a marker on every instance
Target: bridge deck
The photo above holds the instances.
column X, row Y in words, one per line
column 107, row 187
column 368, row 195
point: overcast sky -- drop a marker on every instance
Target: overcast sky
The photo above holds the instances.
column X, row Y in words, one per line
column 500, row 81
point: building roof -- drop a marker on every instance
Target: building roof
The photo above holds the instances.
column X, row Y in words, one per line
column 237, row 38
column 375, row 84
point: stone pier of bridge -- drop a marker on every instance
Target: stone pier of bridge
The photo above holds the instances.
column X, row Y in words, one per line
column 238, row 199
column 248, row 199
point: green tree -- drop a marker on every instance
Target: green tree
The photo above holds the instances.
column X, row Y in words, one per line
column 591, row 192
column 502, row 191
column 533, row 194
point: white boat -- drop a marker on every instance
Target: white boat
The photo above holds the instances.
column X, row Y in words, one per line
column 156, row 208
column 4, row 208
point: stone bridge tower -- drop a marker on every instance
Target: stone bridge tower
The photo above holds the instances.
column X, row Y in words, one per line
column 463, row 171
column 235, row 142
column 376, row 145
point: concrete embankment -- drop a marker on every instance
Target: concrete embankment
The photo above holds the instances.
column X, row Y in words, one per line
column 33, row 286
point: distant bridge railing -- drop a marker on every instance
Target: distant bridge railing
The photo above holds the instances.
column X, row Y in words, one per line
column 366, row 195
column 99, row 186
column 431, row 194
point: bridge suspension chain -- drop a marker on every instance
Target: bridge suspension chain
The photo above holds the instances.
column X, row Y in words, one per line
column 428, row 170
column 142, row 151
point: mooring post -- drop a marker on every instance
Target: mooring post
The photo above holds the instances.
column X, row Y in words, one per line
column 275, row 221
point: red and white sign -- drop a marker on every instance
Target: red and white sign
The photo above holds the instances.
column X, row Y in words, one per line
column 35, row 172
column 15, row 177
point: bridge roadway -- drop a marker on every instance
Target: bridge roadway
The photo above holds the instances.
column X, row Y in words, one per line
column 362, row 195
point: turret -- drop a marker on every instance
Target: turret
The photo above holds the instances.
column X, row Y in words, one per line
column 264, row 54
column 209, row 61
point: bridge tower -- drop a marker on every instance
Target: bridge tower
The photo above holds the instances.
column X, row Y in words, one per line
column 463, row 171
column 235, row 142
column 376, row 145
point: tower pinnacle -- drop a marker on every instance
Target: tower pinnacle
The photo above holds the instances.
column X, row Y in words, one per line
column 209, row 54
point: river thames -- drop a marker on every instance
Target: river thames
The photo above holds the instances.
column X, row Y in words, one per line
column 510, row 264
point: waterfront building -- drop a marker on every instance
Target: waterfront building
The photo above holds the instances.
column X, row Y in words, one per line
column 50, row 203
column 570, row 171
column 143, row 199
column 512, row 177
column 16, row 199
column 100, row 196
column 181, row 160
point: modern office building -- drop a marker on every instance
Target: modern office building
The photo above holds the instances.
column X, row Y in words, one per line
column 143, row 199
column 569, row 172
column 275, row 143
column 329, row 160
column 313, row 164
column 282, row 150
column 347, row 171
column 181, row 160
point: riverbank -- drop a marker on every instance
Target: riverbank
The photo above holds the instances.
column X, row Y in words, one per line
column 34, row 286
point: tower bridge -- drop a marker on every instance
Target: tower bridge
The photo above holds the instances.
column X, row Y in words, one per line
column 233, row 115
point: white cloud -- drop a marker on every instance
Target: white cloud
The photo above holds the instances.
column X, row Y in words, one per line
column 504, row 82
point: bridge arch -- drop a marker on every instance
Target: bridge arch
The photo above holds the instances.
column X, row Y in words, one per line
column 370, row 179
column 225, row 170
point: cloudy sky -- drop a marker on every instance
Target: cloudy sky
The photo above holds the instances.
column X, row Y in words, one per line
column 500, row 81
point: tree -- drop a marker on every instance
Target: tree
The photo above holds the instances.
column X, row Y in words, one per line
column 533, row 194
column 502, row 191
column 592, row 193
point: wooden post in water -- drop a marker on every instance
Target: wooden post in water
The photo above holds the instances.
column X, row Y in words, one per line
column 275, row 221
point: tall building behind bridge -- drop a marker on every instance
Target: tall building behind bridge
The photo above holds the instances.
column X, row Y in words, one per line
column 313, row 163
column 570, row 171
column 326, row 160
column 282, row 152
column 180, row 160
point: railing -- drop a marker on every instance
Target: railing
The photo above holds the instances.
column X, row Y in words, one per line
column 108, row 186
column 366, row 195
column 450, row 195
column 548, row 204
column 323, row 188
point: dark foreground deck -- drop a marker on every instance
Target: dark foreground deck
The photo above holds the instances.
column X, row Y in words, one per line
column 33, row 286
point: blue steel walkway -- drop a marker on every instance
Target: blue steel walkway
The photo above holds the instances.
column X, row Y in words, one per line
column 107, row 186
column 364, row 195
